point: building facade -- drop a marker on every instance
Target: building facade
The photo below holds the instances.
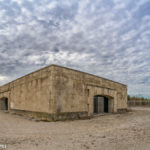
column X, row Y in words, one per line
column 59, row 93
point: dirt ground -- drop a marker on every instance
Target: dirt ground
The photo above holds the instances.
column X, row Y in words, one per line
column 128, row 131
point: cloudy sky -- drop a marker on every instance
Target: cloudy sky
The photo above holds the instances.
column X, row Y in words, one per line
column 109, row 38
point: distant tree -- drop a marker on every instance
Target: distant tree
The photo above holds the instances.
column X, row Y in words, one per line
column 128, row 97
column 135, row 98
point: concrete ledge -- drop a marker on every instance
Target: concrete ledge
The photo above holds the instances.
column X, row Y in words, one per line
column 43, row 116
column 123, row 110
column 72, row 116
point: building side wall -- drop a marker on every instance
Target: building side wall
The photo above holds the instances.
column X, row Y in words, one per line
column 31, row 92
column 69, row 91
column 74, row 91
column 58, row 93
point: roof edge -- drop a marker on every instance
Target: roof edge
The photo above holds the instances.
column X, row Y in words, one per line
column 88, row 74
column 65, row 68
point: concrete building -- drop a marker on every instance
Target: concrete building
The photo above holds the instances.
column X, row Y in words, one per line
column 58, row 93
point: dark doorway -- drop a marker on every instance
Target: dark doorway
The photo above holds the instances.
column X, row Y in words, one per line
column 95, row 104
column 4, row 104
column 105, row 104
column 100, row 104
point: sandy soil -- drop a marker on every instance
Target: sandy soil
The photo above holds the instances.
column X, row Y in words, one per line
column 129, row 131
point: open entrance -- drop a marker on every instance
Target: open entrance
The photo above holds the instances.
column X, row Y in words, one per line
column 100, row 104
column 4, row 103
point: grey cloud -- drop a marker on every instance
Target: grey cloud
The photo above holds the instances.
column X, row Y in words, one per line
column 107, row 38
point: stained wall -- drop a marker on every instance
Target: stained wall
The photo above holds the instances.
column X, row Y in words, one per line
column 31, row 92
column 59, row 90
column 74, row 91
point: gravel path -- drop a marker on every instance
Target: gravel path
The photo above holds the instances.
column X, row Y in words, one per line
column 129, row 131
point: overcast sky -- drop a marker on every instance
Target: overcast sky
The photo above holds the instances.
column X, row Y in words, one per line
column 109, row 38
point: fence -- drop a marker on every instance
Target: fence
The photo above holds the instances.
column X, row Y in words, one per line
column 139, row 103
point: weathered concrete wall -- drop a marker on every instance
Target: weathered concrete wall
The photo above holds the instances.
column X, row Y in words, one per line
column 75, row 91
column 62, row 93
column 31, row 92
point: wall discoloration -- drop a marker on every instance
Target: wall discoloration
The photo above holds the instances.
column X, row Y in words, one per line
column 58, row 90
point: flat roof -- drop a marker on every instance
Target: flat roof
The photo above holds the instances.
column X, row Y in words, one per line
column 64, row 68
column 87, row 73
